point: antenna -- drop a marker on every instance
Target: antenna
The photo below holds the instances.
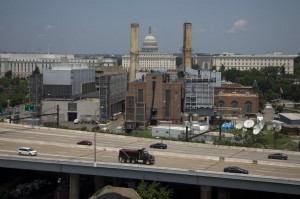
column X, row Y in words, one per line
column 48, row 47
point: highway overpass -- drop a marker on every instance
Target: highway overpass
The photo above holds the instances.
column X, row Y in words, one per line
column 187, row 163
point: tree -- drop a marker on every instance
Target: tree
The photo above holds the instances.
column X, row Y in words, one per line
column 8, row 74
column 36, row 71
column 154, row 191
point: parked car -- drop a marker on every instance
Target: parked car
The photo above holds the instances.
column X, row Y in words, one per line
column 235, row 169
column 159, row 145
column 85, row 142
column 105, row 129
column 280, row 156
column 76, row 121
column 27, row 151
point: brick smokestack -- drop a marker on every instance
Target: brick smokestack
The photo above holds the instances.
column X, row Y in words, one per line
column 187, row 45
column 134, row 51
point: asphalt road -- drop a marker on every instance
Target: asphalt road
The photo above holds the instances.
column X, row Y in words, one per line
column 61, row 144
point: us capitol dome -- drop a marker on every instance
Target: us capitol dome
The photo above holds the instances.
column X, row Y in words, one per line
column 149, row 44
column 149, row 57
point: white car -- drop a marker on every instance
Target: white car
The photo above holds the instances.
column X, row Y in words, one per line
column 27, row 151
column 76, row 121
column 105, row 129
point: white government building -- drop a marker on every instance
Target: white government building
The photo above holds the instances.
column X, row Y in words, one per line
column 246, row 62
column 23, row 64
column 150, row 58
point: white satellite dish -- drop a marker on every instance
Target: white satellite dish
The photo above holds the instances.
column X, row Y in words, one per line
column 257, row 128
column 248, row 124
column 239, row 125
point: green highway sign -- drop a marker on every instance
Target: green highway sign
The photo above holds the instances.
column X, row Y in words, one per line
column 29, row 107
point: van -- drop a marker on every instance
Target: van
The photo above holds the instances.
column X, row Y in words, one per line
column 27, row 151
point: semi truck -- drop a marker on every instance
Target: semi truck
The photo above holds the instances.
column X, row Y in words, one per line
column 136, row 156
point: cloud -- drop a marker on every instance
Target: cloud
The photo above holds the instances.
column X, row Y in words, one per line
column 238, row 25
column 48, row 27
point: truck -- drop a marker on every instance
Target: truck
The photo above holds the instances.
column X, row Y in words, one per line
column 136, row 156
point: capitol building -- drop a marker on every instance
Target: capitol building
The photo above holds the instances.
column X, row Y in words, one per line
column 150, row 58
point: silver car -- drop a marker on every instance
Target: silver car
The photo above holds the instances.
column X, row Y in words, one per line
column 27, row 151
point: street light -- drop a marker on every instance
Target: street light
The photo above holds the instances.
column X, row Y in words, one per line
column 95, row 133
column 276, row 129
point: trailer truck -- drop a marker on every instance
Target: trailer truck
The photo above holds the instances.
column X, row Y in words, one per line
column 136, row 156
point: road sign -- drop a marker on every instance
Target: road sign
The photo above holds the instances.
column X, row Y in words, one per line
column 29, row 107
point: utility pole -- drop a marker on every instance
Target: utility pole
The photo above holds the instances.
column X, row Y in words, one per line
column 57, row 116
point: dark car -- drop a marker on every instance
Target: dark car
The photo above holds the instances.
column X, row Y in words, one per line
column 280, row 156
column 85, row 142
column 159, row 146
column 234, row 169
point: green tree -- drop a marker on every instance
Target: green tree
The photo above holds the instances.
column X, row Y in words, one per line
column 154, row 190
column 36, row 71
column 8, row 74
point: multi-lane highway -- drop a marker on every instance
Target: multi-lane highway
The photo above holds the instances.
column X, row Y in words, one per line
column 61, row 144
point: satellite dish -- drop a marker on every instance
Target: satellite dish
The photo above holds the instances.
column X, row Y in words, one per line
column 239, row 125
column 249, row 124
column 257, row 128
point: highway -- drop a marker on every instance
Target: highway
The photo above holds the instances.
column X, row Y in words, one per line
column 61, row 144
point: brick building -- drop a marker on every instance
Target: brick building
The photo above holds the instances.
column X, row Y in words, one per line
column 157, row 97
column 235, row 100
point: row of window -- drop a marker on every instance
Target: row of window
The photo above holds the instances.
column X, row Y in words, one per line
column 234, row 104
column 254, row 64
column 262, row 60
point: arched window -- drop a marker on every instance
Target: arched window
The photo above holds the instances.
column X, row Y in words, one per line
column 248, row 107
column 220, row 106
column 234, row 104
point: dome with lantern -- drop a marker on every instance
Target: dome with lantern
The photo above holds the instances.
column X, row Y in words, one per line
column 149, row 44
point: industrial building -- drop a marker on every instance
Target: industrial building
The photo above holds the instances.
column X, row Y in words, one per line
column 157, row 98
column 75, row 89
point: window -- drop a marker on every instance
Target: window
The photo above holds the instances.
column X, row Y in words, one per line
column 140, row 96
column 220, row 107
column 72, row 106
column 248, row 107
column 234, row 104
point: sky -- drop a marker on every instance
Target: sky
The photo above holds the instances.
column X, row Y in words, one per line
column 103, row 26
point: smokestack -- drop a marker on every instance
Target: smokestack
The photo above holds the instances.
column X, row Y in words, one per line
column 134, row 51
column 187, row 45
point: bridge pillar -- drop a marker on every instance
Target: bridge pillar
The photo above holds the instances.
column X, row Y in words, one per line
column 74, row 186
column 99, row 182
column 223, row 193
column 206, row 192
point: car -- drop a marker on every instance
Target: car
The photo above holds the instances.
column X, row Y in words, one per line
column 27, row 151
column 280, row 156
column 85, row 142
column 235, row 169
column 159, row 145
column 105, row 129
